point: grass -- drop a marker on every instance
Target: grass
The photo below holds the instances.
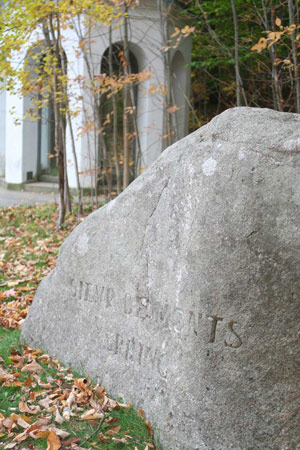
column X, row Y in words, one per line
column 37, row 394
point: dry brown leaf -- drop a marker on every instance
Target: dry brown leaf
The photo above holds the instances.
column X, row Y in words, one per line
column 43, row 385
column 8, row 422
column 141, row 413
column 53, row 441
column 11, row 445
column 114, row 430
column 95, row 416
column 39, row 433
column 82, row 383
column 5, row 376
column 45, row 402
column 111, row 420
column 38, row 426
column 76, row 447
column 32, row 367
column 22, row 423
column 17, row 361
column 90, row 412
column 27, row 419
column 149, row 427
column 58, row 418
column 61, row 433
column 24, row 408
column 70, row 400
column 103, row 438
column 121, row 441
column 94, row 404
column 71, row 440
column 66, row 414
column 43, row 421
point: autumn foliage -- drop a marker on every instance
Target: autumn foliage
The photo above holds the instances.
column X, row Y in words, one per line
column 41, row 402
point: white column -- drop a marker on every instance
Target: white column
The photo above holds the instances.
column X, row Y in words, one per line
column 14, row 140
column 2, row 131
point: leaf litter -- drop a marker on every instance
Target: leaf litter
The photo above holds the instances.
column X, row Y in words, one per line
column 48, row 406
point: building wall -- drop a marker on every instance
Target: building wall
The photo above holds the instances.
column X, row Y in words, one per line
column 2, row 131
column 145, row 43
column 14, row 144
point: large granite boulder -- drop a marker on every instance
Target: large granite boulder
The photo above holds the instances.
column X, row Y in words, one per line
column 183, row 294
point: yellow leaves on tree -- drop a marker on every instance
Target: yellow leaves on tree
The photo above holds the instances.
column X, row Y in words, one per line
column 275, row 36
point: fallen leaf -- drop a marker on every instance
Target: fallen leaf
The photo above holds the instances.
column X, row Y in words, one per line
column 95, row 416
column 58, row 418
column 70, row 441
column 8, row 422
column 45, row 402
column 11, row 445
column 24, row 408
column 53, row 441
column 70, row 400
column 32, row 367
column 22, row 423
column 121, row 441
column 39, row 433
column 61, row 433
column 114, row 430
column 141, row 413
column 5, row 376
column 10, row 292
column 66, row 414
column 149, row 428
column 103, row 438
column 111, row 420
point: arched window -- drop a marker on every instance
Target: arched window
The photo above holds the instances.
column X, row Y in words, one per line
column 47, row 164
column 38, row 134
column 111, row 104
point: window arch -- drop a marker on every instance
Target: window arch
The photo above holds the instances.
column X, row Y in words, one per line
column 111, row 104
column 38, row 135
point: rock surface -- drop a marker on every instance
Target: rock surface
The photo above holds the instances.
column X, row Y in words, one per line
column 183, row 294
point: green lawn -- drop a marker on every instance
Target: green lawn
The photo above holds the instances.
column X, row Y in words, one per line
column 42, row 404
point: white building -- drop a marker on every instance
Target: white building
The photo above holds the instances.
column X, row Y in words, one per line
column 25, row 147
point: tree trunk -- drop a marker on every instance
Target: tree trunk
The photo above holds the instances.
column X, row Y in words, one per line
column 115, row 115
column 79, row 193
column 236, row 56
column 66, row 99
column 126, row 171
column 163, row 13
column 276, row 88
column 53, row 47
column 295, row 54
column 224, row 48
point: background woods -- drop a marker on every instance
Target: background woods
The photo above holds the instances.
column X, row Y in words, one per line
column 245, row 52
